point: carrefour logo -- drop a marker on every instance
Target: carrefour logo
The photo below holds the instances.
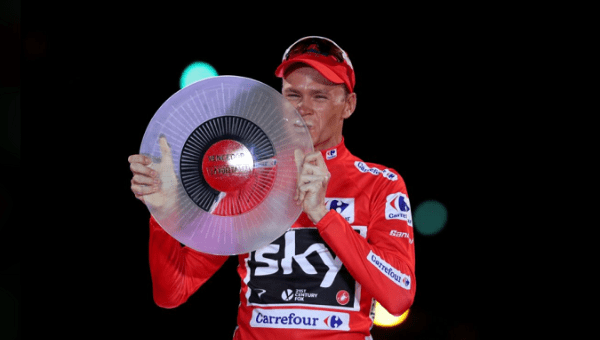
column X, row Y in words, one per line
column 344, row 206
column 299, row 319
column 333, row 321
column 397, row 207
column 386, row 173
column 390, row 272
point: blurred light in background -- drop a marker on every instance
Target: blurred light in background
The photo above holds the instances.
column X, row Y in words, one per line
column 195, row 72
column 384, row 319
column 430, row 217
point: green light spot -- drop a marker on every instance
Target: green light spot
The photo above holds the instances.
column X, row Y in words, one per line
column 430, row 217
column 196, row 72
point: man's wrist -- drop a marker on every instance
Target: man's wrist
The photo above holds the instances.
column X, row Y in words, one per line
column 317, row 215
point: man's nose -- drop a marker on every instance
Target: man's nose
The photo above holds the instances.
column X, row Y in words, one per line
column 303, row 108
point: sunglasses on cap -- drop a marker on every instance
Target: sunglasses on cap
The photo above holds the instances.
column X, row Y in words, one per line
column 319, row 46
column 322, row 54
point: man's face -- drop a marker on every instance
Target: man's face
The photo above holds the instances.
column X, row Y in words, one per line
column 322, row 104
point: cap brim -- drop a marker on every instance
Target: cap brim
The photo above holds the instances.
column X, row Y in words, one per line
column 323, row 68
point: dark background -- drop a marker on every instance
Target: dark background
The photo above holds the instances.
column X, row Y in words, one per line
column 430, row 91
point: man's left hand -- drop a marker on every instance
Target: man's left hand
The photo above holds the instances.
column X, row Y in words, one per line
column 313, row 178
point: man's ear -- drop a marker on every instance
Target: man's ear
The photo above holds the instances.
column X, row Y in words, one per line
column 350, row 105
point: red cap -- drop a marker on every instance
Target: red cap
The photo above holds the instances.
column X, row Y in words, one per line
column 323, row 55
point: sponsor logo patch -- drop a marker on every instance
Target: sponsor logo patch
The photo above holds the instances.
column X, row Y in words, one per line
column 344, row 206
column 362, row 167
column 399, row 234
column 300, row 319
column 390, row 272
column 342, row 297
column 287, row 295
column 299, row 269
column 398, row 208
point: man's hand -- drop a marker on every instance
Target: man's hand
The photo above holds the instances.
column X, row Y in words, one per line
column 313, row 178
column 154, row 183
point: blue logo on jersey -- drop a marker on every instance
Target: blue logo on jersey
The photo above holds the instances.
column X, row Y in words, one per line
column 402, row 205
column 398, row 208
column 344, row 206
column 333, row 321
column 335, row 204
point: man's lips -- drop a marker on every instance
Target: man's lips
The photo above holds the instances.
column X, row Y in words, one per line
column 300, row 123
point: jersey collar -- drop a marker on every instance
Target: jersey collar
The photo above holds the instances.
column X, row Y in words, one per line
column 335, row 153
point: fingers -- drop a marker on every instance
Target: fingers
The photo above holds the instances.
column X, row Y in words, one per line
column 305, row 179
column 314, row 166
column 139, row 165
column 310, row 185
column 140, row 169
column 145, row 184
column 139, row 159
column 165, row 150
column 154, row 183
column 313, row 175
column 311, row 169
column 145, row 180
column 141, row 189
column 315, row 158
column 311, row 163
column 299, row 158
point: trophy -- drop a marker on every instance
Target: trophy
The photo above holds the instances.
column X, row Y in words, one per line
column 224, row 150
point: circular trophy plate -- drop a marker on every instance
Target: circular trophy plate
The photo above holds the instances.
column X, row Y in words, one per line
column 224, row 151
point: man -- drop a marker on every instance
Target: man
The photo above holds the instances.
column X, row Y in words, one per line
column 352, row 245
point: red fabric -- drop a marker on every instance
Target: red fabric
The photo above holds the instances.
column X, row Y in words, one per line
column 177, row 272
column 314, row 281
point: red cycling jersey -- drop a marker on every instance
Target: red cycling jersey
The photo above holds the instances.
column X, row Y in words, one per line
column 320, row 280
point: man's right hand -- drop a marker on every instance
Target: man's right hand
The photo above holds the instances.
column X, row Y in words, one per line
column 145, row 181
column 154, row 183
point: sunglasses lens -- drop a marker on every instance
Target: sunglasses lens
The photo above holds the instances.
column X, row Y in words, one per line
column 315, row 46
